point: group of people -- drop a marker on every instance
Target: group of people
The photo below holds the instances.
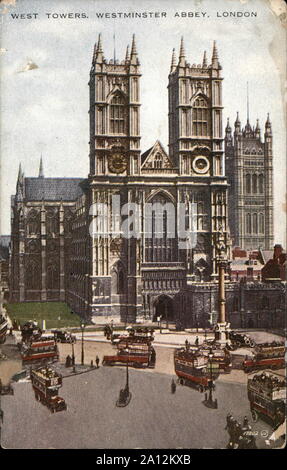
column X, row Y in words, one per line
column 70, row 361
column 240, row 435
column 187, row 343
column 270, row 382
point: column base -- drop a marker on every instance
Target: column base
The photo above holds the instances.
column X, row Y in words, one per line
column 222, row 333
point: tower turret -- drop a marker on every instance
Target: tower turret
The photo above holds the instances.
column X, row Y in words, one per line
column 181, row 61
column 41, row 170
column 228, row 134
column 257, row 129
column 268, row 128
column 204, row 61
column 134, row 55
column 214, row 61
column 173, row 61
column 237, row 125
column 99, row 55
column 127, row 60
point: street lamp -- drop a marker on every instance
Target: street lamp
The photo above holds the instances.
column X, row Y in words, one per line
column 82, row 355
column 73, row 352
column 125, row 394
column 209, row 402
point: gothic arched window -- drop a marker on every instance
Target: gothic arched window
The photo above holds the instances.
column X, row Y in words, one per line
column 33, row 226
column 254, row 183
column 120, row 286
column 261, row 223
column 248, row 223
column 158, row 161
column 160, row 243
column 117, row 114
column 248, row 184
column 33, row 278
column 200, row 121
column 261, row 184
column 235, row 304
column 255, row 223
column 52, row 222
column 52, row 277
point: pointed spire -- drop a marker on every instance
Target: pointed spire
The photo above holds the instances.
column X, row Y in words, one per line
column 268, row 128
column 181, row 53
column 268, row 122
column 19, row 174
column 127, row 54
column 95, row 52
column 214, row 60
column 41, row 171
column 173, row 61
column 20, row 185
column 204, row 62
column 99, row 56
column 100, row 47
column 228, row 128
column 134, row 54
column 257, row 129
column 228, row 132
column 237, row 124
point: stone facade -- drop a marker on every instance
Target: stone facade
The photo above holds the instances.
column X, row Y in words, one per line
column 249, row 169
column 42, row 213
column 126, row 273
column 57, row 254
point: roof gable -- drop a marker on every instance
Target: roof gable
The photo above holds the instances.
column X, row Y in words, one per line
column 156, row 158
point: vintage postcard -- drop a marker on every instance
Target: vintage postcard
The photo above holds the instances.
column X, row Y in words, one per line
column 143, row 227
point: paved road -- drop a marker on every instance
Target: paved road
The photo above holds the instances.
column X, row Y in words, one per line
column 154, row 418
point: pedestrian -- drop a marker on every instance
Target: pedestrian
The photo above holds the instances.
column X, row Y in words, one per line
column 68, row 361
column 97, row 361
column 173, row 386
column 229, row 419
column 196, row 341
column 230, row 425
column 186, row 344
column 11, row 331
column 92, row 363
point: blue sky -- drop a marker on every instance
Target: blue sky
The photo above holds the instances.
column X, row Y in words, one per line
column 45, row 110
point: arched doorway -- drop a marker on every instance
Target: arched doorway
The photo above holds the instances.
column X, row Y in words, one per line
column 163, row 307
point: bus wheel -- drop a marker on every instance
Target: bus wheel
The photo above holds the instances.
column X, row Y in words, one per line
column 181, row 381
column 254, row 416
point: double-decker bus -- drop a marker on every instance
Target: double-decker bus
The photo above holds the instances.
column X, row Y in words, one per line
column 267, row 396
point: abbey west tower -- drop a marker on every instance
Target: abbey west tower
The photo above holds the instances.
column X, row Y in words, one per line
column 114, row 169
column 196, row 147
column 145, row 274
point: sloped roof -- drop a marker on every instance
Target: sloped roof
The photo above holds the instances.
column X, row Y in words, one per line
column 157, row 147
column 53, row 189
column 145, row 154
column 267, row 255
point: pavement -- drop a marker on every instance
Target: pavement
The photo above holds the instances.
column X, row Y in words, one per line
column 168, row 339
column 154, row 419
